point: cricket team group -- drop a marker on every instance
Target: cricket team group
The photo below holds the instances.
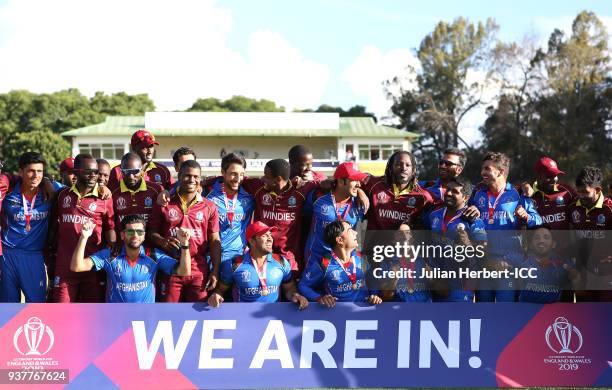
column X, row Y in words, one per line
column 133, row 233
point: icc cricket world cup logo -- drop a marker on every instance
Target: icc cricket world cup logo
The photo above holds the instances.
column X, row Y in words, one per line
column 34, row 332
column 564, row 332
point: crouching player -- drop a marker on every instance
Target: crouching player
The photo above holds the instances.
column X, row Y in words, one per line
column 259, row 273
column 338, row 274
column 131, row 272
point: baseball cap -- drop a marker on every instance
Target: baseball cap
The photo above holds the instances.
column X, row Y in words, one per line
column 349, row 170
column 143, row 138
column 548, row 167
column 257, row 229
column 67, row 165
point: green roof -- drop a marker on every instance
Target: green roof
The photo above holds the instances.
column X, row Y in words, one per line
column 357, row 127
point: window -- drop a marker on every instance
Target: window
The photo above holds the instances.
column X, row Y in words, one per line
column 377, row 152
column 106, row 151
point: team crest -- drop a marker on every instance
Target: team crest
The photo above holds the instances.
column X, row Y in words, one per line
column 576, row 216
column 481, row 202
column 117, row 270
column 412, row 202
column 148, row 202
column 266, row 200
column 382, row 197
column 199, row 216
column 121, row 204
column 173, row 215
column 67, row 202
column 560, row 201
column 158, row 178
column 601, row 219
column 292, row 202
column 324, row 209
column 92, row 207
column 246, row 275
column 435, row 221
column 336, row 275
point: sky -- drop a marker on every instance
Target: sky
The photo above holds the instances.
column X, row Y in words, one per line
column 300, row 54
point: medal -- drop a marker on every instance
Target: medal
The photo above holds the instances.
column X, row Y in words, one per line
column 261, row 274
column 354, row 286
column 491, row 221
column 351, row 275
column 28, row 211
column 346, row 210
column 230, row 212
column 265, row 292
column 457, row 215
column 494, row 205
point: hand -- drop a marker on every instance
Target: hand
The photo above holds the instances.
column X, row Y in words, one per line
column 212, row 281
column 183, row 236
column 328, row 301
column 521, row 213
column 527, row 190
column 163, row 198
column 104, row 192
column 471, row 213
column 87, row 229
column 363, row 200
column 215, row 300
column 300, row 301
column 463, row 236
column 171, row 244
column 374, row 299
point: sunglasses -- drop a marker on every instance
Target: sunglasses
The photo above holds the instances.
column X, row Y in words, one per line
column 131, row 171
column 134, row 232
column 87, row 172
column 446, row 163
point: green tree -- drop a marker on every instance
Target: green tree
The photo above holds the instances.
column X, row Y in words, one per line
column 235, row 104
column 52, row 146
column 121, row 104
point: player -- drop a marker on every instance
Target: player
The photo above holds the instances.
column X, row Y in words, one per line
column 450, row 166
column 300, row 162
column 338, row 274
column 187, row 209
column 103, row 171
column 66, row 168
column 25, row 223
column 259, row 274
column 131, row 272
column 143, row 144
column 76, row 206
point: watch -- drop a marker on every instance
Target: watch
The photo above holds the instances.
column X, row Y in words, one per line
column 185, row 246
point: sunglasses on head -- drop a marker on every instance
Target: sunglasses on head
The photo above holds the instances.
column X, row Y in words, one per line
column 447, row 163
column 87, row 172
column 131, row 171
column 134, row 232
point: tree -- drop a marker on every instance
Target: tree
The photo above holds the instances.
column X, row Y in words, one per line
column 121, row 104
column 52, row 146
column 235, row 104
column 355, row 111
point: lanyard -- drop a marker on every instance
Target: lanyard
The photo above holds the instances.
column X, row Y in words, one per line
column 230, row 212
column 445, row 224
column 494, row 205
column 348, row 207
column 351, row 275
column 27, row 212
column 262, row 276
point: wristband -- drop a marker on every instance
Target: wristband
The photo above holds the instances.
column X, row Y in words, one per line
column 184, row 246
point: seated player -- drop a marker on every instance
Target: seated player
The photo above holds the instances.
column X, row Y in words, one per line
column 338, row 274
column 131, row 273
column 259, row 274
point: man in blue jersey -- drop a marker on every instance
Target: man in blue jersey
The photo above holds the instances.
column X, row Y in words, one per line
column 504, row 212
column 450, row 226
column 450, row 166
column 234, row 204
column 338, row 274
column 259, row 274
column 339, row 204
column 131, row 273
column 25, row 223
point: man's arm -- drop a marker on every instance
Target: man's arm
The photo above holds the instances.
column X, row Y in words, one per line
column 215, row 257
column 78, row 263
column 292, row 294
column 216, row 297
column 184, row 266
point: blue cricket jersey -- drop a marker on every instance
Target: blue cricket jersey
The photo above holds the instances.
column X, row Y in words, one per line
column 323, row 213
column 324, row 275
column 132, row 282
column 502, row 227
column 232, row 233
column 546, row 288
column 14, row 233
column 243, row 273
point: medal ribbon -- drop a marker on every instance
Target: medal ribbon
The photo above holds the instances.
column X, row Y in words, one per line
column 230, row 212
column 27, row 212
column 445, row 224
column 261, row 274
column 348, row 207
column 351, row 275
column 494, row 205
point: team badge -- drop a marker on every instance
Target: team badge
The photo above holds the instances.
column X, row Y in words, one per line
column 336, row 275
column 117, row 270
column 246, row 276
column 158, row 178
column 266, row 200
column 411, row 201
column 121, row 204
column 601, row 219
column 173, row 215
column 481, row 202
column 291, row 201
column 199, row 216
column 324, row 209
column 148, row 202
column 560, row 201
column 576, row 216
column 145, row 269
column 56, row 281
column 435, row 222
column 67, row 202
column 382, row 197
column 92, row 207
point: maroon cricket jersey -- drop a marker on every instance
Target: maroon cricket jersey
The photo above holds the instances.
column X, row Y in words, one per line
column 591, row 227
column 285, row 211
column 153, row 172
column 389, row 210
column 73, row 211
column 201, row 219
column 140, row 202
column 554, row 207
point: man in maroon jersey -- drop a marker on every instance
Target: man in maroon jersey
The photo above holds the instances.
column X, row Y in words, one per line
column 300, row 162
column 76, row 206
column 66, row 168
column 134, row 195
column 188, row 209
column 591, row 222
column 143, row 144
column 552, row 200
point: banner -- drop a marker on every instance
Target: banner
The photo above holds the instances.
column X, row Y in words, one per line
column 274, row 345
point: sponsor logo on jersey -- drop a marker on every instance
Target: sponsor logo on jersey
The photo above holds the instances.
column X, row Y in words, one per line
column 382, row 197
column 173, row 215
column 246, row 276
column 121, row 204
column 266, row 200
column 67, row 202
column 576, row 216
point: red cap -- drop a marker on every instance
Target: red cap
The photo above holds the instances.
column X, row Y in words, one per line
column 67, row 165
column 349, row 170
column 548, row 167
column 257, row 229
column 143, row 138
